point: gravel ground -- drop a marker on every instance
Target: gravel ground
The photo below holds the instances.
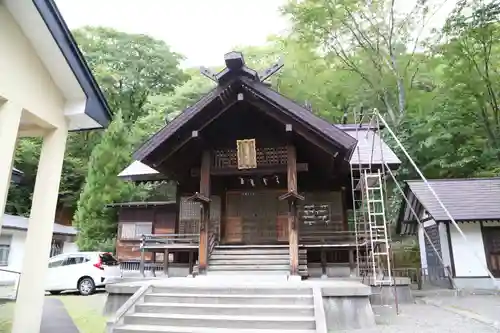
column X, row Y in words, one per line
column 420, row 318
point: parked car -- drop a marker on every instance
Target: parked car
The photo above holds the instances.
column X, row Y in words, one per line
column 84, row 271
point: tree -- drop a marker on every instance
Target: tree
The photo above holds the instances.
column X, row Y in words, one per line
column 94, row 221
column 373, row 41
column 130, row 67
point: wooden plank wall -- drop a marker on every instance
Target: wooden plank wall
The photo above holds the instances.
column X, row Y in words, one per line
column 163, row 218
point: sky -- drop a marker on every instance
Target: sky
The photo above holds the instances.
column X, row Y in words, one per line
column 202, row 30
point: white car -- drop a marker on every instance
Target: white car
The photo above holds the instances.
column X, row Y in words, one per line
column 84, row 271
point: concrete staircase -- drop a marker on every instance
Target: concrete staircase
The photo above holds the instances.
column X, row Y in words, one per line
column 223, row 310
column 250, row 260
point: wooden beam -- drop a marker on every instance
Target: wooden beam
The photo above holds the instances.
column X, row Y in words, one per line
column 292, row 209
column 272, row 169
column 205, row 211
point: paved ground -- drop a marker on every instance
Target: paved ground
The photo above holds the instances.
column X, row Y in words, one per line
column 423, row 318
column 55, row 318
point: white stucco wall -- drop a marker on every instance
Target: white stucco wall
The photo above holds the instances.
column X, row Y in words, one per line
column 24, row 79
column 466, row 263
column 16, row 254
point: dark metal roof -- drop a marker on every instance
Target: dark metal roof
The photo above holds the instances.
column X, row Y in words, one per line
column 316, row 123
column 328, row 131
column 96, row 106
column 465, row 199
column 169, row 129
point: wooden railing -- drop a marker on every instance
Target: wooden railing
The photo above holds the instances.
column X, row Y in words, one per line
column 148, row 241
column 326, row 237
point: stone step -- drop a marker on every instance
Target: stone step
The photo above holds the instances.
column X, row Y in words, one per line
column 220, row 321
column 246, row 261
column 258, row 267
column 233, row 290
column 172, row 329
column 275, row 299
column 227, row 309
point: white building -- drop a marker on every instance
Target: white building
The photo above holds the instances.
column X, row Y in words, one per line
column 475, row 205
column 12, row 243
column 46, row 90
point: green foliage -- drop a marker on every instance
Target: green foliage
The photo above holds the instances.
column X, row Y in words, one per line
column 439, row 93
column 130, row 67
column 95, row 222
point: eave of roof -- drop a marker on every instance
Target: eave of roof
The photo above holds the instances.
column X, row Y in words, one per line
column 328, row 131
column 96, row 105
column 15, row 222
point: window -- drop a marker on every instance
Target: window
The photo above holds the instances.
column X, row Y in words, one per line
column 56, row 263
column 5, row 249
column 75, row 260
column 136, row 230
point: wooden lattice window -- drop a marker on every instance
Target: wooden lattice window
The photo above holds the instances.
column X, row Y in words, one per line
column 247, row 154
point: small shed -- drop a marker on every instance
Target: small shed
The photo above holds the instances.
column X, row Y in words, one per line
column 475, row 205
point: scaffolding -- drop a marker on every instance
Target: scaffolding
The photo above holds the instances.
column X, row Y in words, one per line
column 369, row 194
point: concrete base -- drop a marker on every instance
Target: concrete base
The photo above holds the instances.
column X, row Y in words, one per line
column 345, row 313
column 345, row 303
column 387, row 294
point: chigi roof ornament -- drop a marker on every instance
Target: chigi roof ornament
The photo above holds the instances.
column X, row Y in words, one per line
column 235, row 66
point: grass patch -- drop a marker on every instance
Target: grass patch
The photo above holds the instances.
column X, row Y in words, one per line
column 86, row 312
column 6, row 315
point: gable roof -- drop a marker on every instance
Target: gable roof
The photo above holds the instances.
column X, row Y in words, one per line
column 21, row 223
column 321, row 127
column 465, row 199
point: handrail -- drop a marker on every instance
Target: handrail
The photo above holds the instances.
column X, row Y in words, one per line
column 212, row 242
column 16, row 283
column 169, row 239
column 127, row 306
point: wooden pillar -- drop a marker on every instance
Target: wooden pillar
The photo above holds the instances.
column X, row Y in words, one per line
column 190, row 262
column 204, row 198
column 153, row 264
column 141, row 263
column 352, row 264
column 292, row 209
column 324, row 273
column 165, row 263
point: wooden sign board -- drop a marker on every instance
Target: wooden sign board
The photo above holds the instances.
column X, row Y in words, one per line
column 315, row 213
column 247, row 154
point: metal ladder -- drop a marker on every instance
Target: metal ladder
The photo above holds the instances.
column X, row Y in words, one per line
column 379, row 249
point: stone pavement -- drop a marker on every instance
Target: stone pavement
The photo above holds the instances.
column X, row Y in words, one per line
column 422, row 318
column 482, row 308
column 55, row 318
